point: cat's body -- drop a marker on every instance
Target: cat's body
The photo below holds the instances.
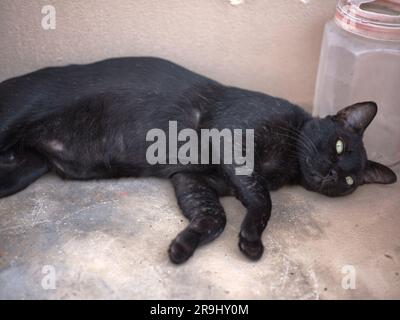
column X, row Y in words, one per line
column 90, row 122
column 93, row 119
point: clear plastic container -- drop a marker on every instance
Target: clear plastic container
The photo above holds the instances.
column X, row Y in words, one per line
column 360, row 61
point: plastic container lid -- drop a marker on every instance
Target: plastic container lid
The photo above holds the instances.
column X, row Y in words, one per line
column 375, row 19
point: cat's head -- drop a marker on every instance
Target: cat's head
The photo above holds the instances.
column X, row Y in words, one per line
column 332, row 156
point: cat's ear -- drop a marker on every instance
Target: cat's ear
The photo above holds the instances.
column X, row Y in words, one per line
column 358, row 116
column 378, row 173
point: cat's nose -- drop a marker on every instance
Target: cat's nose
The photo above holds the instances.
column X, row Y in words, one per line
column 332, row 175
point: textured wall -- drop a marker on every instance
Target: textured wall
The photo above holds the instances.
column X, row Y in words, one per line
column 267, row 45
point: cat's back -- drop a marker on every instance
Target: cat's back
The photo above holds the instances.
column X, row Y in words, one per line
column 138, row 74
column 36, row 95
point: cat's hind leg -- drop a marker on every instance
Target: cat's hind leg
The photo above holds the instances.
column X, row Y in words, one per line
column 19, row 168
column 200, row 204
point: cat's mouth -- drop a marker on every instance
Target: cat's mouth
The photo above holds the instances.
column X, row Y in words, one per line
column 325, row 184
column 323, row 181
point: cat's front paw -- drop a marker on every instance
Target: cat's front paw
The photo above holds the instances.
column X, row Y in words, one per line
column 251, row 249
column 183, row 247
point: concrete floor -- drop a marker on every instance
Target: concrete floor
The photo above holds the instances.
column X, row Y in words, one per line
column 109, row 239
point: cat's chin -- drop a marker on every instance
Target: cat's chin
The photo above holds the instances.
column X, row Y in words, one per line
column 335, row 194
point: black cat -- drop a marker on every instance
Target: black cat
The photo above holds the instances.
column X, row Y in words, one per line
column 90, row 122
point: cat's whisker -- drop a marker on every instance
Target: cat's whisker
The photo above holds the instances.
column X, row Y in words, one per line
column 294, row 145
column 307, row 141
column 302, row 139
column 296, row 154
column 300, row 134
column 299, row 140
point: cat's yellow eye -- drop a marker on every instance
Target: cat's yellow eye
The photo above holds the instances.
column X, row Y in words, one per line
column 339, row 146
column 349, row 180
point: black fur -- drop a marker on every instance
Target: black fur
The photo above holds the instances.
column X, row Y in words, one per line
column 90, row 122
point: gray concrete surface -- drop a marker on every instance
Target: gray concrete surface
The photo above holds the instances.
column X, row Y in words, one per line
column 109, row 239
